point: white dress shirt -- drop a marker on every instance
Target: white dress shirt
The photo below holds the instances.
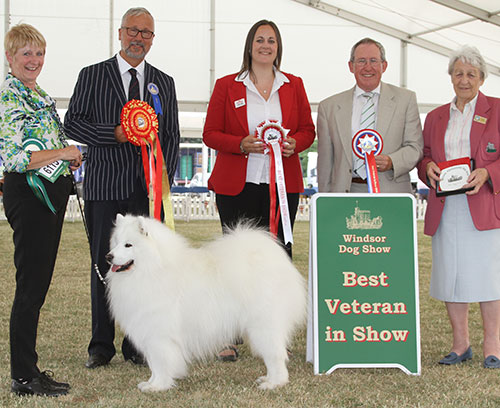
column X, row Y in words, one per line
column 124, row 66
column 258, row 111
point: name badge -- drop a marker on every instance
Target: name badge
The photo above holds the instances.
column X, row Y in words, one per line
column 239, row 103
column 480, row 119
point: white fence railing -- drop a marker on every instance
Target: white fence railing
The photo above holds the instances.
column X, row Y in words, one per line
column 201, row 206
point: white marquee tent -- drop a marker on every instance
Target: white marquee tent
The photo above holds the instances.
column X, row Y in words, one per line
column 198, row 41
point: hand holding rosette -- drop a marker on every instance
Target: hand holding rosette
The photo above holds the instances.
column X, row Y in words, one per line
column 367, row 144
column 140, row 125
column 273, row 135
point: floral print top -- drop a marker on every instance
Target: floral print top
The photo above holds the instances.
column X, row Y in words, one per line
column 26, row 113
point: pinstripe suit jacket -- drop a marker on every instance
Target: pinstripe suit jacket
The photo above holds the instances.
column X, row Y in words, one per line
column 94, row 111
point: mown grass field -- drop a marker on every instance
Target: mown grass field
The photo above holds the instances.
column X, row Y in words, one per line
column 65, row 329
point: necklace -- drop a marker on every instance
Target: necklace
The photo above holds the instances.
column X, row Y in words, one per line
column 265, row 91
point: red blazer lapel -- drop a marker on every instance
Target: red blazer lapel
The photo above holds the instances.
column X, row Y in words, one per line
column 237, row 95
column 477, row 129
column 287, row 100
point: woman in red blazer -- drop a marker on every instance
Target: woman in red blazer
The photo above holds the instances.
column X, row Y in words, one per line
column 239, row 102
column 465, row 227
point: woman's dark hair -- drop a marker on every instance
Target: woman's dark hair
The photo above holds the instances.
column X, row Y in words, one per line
column 246, row 65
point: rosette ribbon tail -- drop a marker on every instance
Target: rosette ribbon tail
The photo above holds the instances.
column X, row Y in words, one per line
column 273, row 217
column 162, row 190
column 38, row 189
column 371, row 173
column 278, row 178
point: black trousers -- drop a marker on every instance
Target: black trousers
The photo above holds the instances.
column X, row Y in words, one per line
column 37, row 232
column 253, row 204
column 100, row 216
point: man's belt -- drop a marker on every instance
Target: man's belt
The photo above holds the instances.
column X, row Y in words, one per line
column 358, row 180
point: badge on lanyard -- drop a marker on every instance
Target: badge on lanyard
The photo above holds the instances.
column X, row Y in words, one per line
column 51, row 171
column 154, row 91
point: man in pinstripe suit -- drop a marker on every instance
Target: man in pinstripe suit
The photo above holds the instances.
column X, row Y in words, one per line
column 114, row 179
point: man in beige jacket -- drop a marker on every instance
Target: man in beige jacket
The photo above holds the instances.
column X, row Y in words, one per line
column 395, row 117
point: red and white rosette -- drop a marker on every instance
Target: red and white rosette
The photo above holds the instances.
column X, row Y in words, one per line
column 273, row 134
column 140, row 124
column 367, row 144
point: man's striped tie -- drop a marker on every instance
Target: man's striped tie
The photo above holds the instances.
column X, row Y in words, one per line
column 367, row 122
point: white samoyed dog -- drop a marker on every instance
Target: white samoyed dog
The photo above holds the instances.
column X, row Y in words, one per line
column 178, row 303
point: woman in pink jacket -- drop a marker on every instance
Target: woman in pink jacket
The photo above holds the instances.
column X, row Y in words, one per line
column 464, row 220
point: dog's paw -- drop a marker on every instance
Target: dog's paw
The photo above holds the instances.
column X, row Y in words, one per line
column 142, row 385
column 265, row 384
column 262, row 379
column 147, row 386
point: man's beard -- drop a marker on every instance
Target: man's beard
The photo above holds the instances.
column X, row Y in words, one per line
column 128, row 51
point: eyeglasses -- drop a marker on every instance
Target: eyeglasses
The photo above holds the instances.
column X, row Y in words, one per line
column 363, row 61
column 145, row 34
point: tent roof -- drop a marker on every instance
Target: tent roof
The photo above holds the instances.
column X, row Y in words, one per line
column 198, row 41
column 437, row 25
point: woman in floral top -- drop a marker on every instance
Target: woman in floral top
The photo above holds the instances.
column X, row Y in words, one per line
column 38, row 164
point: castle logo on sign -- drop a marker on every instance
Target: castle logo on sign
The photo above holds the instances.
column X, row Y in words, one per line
column 361, row 219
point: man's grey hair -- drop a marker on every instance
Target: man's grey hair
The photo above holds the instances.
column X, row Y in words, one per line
column 468, row 55
column 368, row 41
column 135, row 11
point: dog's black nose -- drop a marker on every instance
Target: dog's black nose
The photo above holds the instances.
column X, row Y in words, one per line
column 109, row 258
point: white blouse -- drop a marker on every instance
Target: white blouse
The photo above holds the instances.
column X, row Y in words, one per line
column 457, row 136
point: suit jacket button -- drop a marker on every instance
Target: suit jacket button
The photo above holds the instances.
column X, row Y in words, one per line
column 442, row 200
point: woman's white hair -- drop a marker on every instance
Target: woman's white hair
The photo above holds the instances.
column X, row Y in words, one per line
column 468, row 55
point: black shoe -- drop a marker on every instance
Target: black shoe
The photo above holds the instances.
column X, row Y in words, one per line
column 136, row 359
column 37, row 386
column 47, row 376
column 96, row 360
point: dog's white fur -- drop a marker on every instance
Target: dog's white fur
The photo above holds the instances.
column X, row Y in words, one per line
column 178, row 303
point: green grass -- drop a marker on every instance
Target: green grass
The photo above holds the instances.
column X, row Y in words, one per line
column 65, row 329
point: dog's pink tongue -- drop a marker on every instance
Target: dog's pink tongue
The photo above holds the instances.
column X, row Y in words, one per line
column 114, row 268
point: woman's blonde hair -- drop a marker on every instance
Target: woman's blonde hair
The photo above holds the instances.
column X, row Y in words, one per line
column 22, row 35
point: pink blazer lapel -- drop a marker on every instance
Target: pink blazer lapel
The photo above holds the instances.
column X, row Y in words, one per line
column 238, row 100
column 477, row 129
column 439, row 133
